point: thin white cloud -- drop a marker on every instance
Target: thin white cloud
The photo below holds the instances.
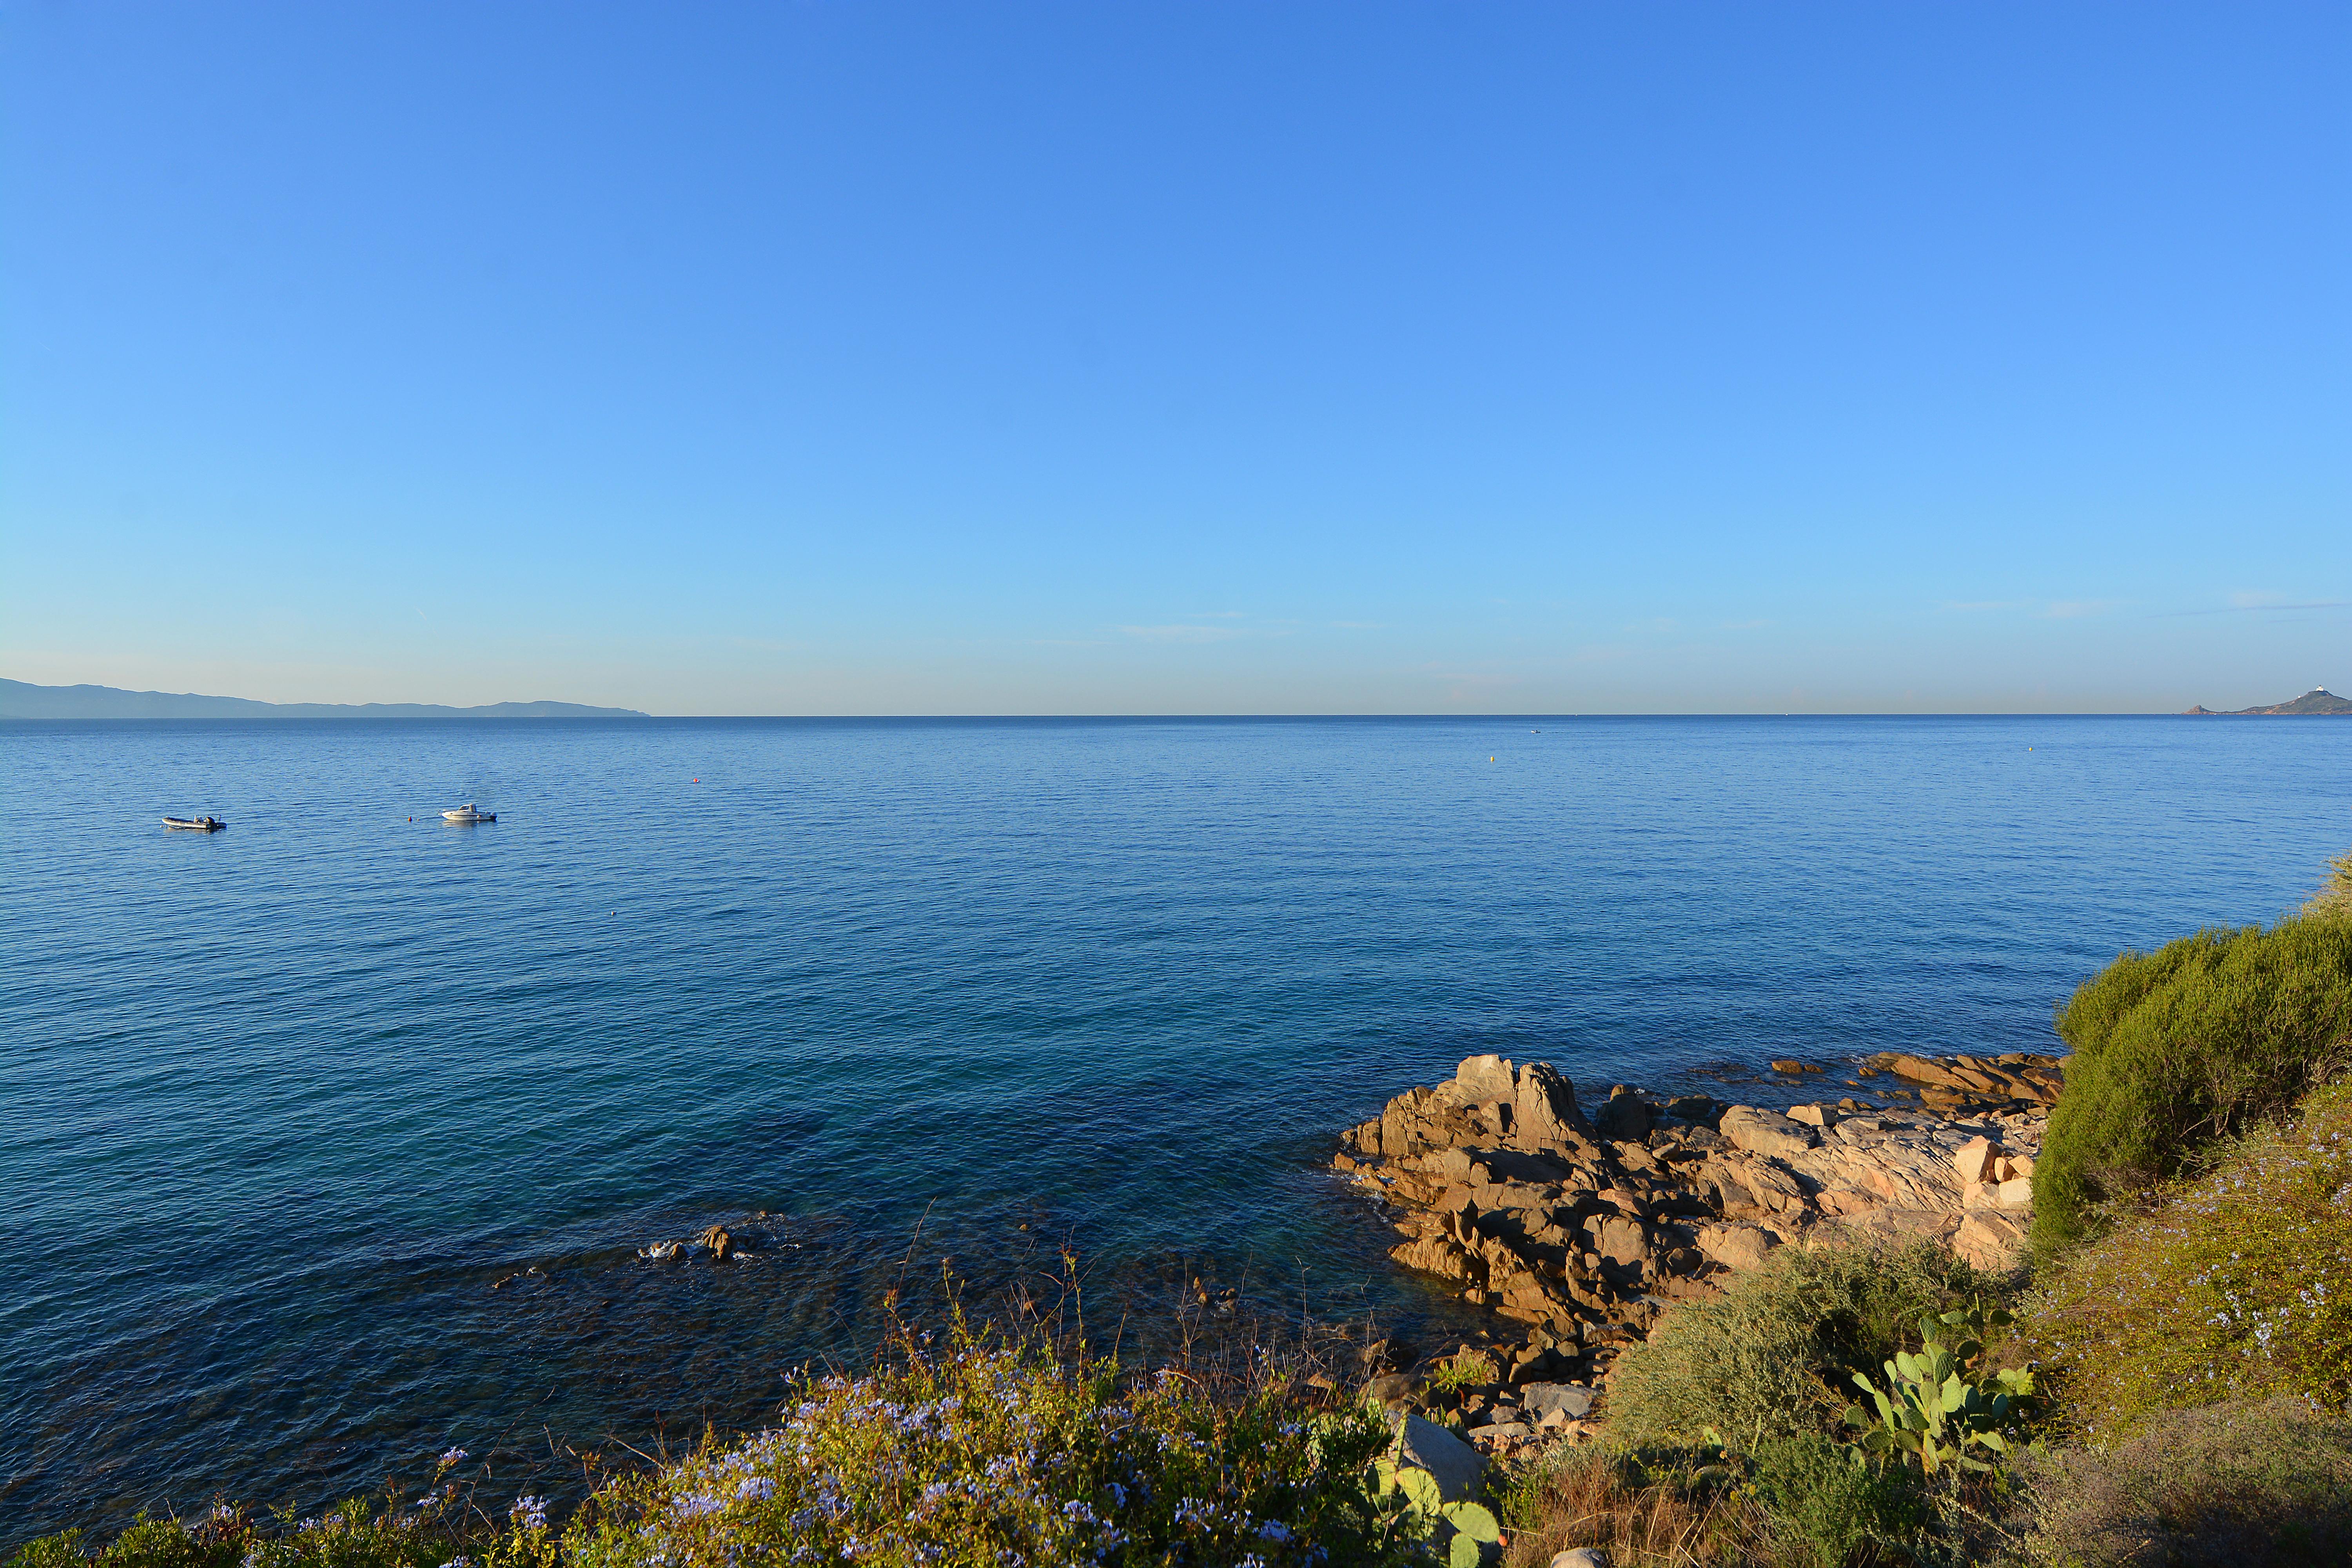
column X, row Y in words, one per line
column 2269, row 602
column 1185, row 633
column 2048, row 610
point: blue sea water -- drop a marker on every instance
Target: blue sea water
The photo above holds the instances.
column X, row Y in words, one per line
column 331, row 1139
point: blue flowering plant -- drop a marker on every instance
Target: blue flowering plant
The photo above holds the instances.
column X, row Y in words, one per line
column 446, row 1523
column 982, row 1451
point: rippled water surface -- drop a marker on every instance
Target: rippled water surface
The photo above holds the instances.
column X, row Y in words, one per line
column 328, row 1140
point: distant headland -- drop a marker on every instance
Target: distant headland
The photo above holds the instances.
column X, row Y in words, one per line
column 23, row 699
column 2318, row 700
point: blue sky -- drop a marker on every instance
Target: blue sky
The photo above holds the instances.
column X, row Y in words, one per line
column 1180, row 358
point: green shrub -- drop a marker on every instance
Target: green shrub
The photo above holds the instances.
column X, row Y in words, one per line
column 1792, row 1502
column 1825, row 1507
column 1774, row 1355
column 2249, row 1486
column 1467, row 1368
column 2238, row 1285
column 2174, row 1049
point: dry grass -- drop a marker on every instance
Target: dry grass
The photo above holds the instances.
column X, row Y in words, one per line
column 1668, row 1511
column 2334, row 898
column 2242, row 1485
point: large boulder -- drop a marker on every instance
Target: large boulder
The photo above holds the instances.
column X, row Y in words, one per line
column 1457, row 1467
column 1765, row 1132
column 1990, row 1239
column 1546, row 1115
column 1621, row 1241
column 1625, row 1118
column 1572, row 1400
column 1537, row 1104
column 1736, row 1246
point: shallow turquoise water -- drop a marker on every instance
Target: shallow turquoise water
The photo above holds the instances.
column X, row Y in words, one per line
column 280, row 1106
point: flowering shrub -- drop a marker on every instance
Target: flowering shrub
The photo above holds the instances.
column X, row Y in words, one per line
column 441, row 1527
column 978, row 1453
column 2237, row 1285
column 989, row 1454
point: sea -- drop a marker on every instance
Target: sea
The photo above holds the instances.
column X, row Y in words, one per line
column 338, row 1138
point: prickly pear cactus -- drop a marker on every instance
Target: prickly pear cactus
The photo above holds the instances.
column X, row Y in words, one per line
column 1936, row 1405
column 1409, row 1495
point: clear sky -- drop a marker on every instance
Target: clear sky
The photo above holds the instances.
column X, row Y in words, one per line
column 1186, row 357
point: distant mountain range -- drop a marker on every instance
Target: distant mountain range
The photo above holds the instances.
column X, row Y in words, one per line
column 2318, row 700
column 22, row 700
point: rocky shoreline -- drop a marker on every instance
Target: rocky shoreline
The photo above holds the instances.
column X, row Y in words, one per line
column 1584, row 1229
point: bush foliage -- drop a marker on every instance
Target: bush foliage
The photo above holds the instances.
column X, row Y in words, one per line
column 2238, row 1285
column 2175, row 1049
column 1774, row 1355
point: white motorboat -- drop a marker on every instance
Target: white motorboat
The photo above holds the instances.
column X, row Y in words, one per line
column 196, row 824
column 467, row 812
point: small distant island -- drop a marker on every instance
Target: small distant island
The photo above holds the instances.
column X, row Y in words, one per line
column 2318, row 700
column 23, row 699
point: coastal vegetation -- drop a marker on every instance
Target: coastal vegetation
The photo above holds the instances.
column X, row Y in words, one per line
column 2167, row 1380
column 2236, row 1284
column 2177, row 1050
column 1774, row 1356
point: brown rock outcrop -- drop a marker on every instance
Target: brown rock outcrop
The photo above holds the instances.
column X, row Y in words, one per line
column 1500, row 1183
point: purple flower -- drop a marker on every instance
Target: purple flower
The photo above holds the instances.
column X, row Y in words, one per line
column 530, row 1512
column 452, row 1456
